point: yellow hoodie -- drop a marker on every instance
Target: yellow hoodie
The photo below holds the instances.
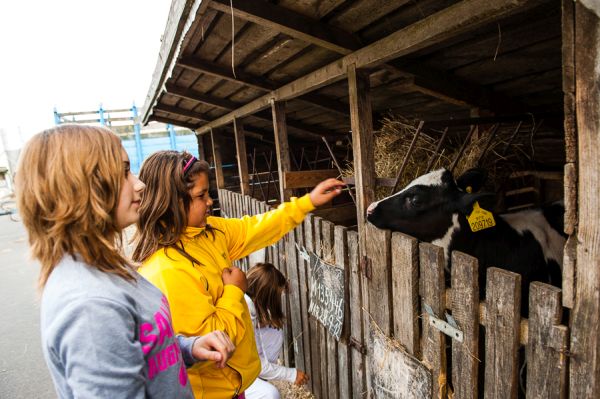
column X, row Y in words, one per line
column 199, row 301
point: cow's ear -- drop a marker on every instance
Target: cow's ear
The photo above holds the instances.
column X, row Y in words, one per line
column 474, row 178
column 466, row 201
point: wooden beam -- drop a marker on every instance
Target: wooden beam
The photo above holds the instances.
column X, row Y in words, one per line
column 459, row 18
column 182, row 112
column 181, row 15
column 176, row 122
column 290, row 23
column 585, row 323
column 197, row 96
column 242, row 156
column 258, row 82
column 281, row 147
column 361, row 119
column 307, row 178
column 201, row 153
column 216, row 147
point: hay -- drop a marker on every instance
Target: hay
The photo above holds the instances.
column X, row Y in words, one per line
column 292, row 391
column 392, row 142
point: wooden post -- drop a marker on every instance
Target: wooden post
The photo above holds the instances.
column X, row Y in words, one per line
column 433, row 290
column 303, row 292
column 465, row 310
column 217, row 159
column 546, row 360
column 585, row 334
column 242, row 157
column 503, row 317
column 281, row 146
column 361, row 121
column 200, row 140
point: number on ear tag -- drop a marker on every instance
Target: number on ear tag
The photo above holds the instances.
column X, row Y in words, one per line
column 480, row 219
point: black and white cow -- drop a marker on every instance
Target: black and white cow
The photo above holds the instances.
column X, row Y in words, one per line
column 434, row 208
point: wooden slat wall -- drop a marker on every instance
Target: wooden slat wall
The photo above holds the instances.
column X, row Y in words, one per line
column 406, row 275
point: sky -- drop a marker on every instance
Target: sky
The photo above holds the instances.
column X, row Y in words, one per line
column 74, row 55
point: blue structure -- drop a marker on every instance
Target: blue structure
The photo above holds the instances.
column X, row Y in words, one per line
column 138, row 148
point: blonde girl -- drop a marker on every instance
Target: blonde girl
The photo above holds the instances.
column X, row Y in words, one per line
column 106, row 331
column 188, row 254
column 266, row 285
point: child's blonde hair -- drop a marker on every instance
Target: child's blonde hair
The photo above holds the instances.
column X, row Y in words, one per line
column 68, row 184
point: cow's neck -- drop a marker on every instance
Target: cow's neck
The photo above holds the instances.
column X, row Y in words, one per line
column 446, row 241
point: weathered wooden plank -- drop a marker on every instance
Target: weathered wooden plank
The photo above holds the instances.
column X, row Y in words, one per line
column 568, row 272
column 327, row 254
column 568, row 80
column 343, row 357
column 307, row 178
column 355, row 303
column 315, row 352
column 216, row 148
column 288, row 349
column 570, row 196
column 585, row 324
column 294, row 299
column 548, row 340
column 303, row 304
column 322, row 333
column 282, row 147
column 405, row 291
column 441, row 26
column 465, row 310
column 337, row 214
column 380, row 283
column 503, row 310
column 432, row 288
column 242, row 157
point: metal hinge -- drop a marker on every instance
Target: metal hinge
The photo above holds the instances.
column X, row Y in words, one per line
column 366, row 267
column 354, row 343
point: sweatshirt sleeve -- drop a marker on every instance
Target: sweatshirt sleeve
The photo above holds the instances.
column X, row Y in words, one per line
column 94, row 341
column 251, row 233
column 192, row 309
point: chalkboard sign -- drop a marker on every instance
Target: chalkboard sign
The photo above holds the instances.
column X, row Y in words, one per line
column 395, row 373
column 327, row 295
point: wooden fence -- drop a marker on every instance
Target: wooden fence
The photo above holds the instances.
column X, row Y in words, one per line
column 400, row 291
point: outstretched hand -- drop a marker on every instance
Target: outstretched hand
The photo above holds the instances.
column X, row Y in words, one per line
column 326, row 191
column 215, row 346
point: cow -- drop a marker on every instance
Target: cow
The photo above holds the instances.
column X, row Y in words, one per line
column 434, row 208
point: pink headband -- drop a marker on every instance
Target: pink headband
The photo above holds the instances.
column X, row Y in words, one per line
column 189, row 164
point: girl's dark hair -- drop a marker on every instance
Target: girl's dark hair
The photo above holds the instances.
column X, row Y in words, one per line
column 165, row 201
column 265, row 286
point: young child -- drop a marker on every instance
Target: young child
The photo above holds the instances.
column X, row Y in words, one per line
column 266, row 285
column 188, row 254
column 106, row 331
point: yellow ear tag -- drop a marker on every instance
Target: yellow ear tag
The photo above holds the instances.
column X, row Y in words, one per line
column 480, row 219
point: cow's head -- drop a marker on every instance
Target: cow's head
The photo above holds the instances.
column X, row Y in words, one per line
column 424, row 208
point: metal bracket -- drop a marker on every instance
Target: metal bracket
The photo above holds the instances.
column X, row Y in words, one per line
column 303, row 252
column 366, row 267
column 449, row 328
column 354, row 343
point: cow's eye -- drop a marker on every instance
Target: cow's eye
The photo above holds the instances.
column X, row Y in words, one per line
column 415, row 201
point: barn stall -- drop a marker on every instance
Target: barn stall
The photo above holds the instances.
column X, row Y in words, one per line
column 282, row 94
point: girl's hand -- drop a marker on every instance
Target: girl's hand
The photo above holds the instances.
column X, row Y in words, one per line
column 235, row 276
column 301, row 377
column 326, row 191
column 215, row 346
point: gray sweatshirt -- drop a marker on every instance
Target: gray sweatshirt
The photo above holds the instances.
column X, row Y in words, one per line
column 105, row 337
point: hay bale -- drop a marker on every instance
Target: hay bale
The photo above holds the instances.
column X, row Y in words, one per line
column 392, row 142
column 292, row 391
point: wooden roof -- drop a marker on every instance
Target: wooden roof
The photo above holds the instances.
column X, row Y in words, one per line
column 428, row 59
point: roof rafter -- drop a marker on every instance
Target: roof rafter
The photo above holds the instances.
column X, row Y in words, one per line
column 257, row 82
column 441, row 26
column 433, row 83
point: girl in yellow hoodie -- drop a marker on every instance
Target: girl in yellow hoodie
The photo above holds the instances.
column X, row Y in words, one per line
column 187, row 254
